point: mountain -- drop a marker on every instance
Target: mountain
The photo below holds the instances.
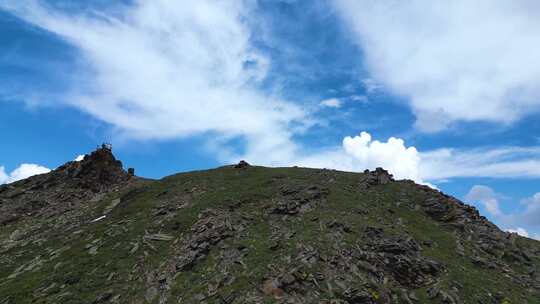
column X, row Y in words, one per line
column 90, row 232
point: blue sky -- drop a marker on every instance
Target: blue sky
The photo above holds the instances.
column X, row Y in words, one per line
column 445, row 95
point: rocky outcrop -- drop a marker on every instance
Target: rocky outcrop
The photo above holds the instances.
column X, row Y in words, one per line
column 295, row 200
column 377, row 177
column 97, row 171
column 64, row 188
column 242, row 164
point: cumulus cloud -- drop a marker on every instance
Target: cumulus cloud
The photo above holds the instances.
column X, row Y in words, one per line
column 406, row 162
column 79, row 158
column 331, row 103
column 455, row 61
column 21, row 172
column 163, row 69
column 487, row 197
column 361, row 152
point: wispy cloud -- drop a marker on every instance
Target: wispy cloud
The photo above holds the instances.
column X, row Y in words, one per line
column 331, row 103
column 460, row 60
column 162, row 69
column 507, row 162
column 525, row 223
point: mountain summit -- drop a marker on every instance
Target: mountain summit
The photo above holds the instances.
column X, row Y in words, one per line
column 92, row 232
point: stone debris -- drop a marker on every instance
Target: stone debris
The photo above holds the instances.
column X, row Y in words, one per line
column 298, row 200
column 159, row 237
column 208, row 231
column 98, row 219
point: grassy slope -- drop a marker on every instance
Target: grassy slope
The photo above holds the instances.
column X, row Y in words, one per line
column 67, row 272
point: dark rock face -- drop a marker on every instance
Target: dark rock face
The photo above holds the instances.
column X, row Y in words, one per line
column 377, row 177
column 207, row 232
column 400, row 259
column 64, row 188
column 96, row 171
column 295, row 200
column 242, row 164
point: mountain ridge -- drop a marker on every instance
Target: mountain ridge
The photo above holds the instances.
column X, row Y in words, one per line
column 92, row 232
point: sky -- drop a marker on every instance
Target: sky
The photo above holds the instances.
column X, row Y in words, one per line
column 445, row 94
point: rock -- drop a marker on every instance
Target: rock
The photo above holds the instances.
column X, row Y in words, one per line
column 159, row 237
column 339, row 226
column 208, row 231
column 16, row 235
column 287, row 279
column 355, row 296
column 438, row 209
column 271, row 287
column 296, row 200
column 377, row 177
column 433, row 292
column 242, row 164
column 104, row 297
column 93, row 250
column 459, row 248
column 447, row 298
column 399, row 258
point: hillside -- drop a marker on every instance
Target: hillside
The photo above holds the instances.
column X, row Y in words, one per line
column 89, row 232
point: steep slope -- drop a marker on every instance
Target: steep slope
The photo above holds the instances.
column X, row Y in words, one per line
column 246, row 234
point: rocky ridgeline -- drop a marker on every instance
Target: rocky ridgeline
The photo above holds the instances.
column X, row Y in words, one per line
column 98, row 172
column 247, row 234
column 65, row 189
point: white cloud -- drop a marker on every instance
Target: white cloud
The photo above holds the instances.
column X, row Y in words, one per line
column 361, row 152
column 406, row 162
column 331, row 103
column 163, row 69
column 487, row 197
column 519, row 231
column 3, row 176
column 507, row 162
column 371, row 85
column 359, row 98
column 525, row 222
column 531, row 214
column 22, row 172
column 79, row 158
column 459, row 60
